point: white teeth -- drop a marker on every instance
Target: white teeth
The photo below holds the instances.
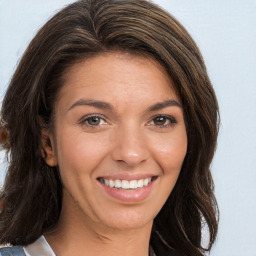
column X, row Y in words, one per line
column 111, row 183
column 133, row 184
column 125, row 184
column 140, row 183
column 145, row 182
column 118, row 183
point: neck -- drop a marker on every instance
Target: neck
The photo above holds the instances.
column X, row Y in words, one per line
column 74, row 240
column 74, row 235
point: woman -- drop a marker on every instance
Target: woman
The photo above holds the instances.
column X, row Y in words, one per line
column 112, row 124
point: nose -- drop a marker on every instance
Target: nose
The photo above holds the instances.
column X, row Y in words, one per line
column 130, row 147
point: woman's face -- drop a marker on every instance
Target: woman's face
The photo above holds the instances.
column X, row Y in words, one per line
column 119, row 141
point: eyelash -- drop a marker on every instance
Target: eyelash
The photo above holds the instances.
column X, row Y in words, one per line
column 171, row 119
column 85, row 120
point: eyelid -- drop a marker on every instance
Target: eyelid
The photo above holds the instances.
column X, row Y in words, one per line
column 86, row 117
column 172, row 119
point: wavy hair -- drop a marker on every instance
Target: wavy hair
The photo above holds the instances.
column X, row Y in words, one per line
column 32, row 193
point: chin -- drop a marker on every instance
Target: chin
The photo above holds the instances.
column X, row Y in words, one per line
column 128, row 220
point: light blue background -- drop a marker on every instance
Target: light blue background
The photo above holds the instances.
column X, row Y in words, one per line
column 226, row 34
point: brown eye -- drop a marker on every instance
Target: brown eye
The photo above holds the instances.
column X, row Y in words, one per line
column 93, row 120
column 163, row 121
column 160, row 120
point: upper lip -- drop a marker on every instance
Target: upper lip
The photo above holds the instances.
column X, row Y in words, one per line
column 127, row 177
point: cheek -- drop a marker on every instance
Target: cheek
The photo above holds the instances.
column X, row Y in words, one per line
column 80, row 152
column 170, row 151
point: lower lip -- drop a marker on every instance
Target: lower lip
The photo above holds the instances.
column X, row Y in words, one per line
column 129, row 195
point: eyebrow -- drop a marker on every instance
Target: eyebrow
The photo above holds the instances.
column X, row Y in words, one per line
column 164, row 104
column 93, row 103
column 107, row 106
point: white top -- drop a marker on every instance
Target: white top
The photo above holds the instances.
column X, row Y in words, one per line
column 39, row 246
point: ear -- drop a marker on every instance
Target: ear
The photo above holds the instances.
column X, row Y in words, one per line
column 47, row 151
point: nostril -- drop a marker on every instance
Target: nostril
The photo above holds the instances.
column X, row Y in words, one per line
column 130, row 156
column 130, row 146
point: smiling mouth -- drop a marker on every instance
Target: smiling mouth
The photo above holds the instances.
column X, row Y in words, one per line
column 127, row 185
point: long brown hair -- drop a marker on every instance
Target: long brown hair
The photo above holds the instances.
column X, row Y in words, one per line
column 32, row 193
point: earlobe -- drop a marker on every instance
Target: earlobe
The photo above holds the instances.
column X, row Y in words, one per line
column 47, row 150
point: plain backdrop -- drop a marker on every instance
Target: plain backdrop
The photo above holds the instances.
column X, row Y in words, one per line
column 226, row 34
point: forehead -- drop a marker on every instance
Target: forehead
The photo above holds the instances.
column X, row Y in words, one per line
column 117, row 76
